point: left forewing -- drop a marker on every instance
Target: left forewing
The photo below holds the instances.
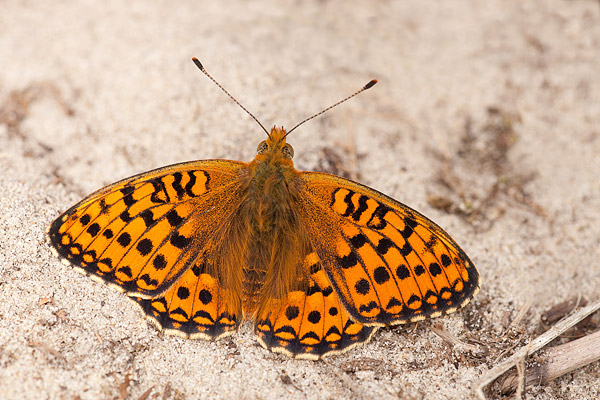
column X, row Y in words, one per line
column 141, row 234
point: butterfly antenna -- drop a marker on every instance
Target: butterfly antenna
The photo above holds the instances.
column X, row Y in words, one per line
column 367, row 86
column 201, row 67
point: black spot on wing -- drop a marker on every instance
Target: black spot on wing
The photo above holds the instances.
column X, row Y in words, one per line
column 93, row 229
column 103, row 206
column 348, row 261
column 446, row 260
column 85, row 219
column 126, row 270
column 362, row 287
column 312, row 289
column 125, row 217
column 402, row 272
column 127, row 190
column 406, row 232
column 406, row 249
column 144, row 246
column 435, row 269
column 159, row 262
column 410, row 222
column 173, row 218
column 314, row 317
column 292, row 312
column 148, row 281
column 381, row 275
column 316, row 267
column 383, row 246
column 178, row 240
column 413, row 299
column 148, row 218
column 205, row 296
column 419, row 270
column 358, row 241
column 394, row 302
column 129, row 200
column 180, row 311
column 124, row 239
column 183, row 293
column 367, row 308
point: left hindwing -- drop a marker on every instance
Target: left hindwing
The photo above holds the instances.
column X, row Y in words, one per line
column 388, row 263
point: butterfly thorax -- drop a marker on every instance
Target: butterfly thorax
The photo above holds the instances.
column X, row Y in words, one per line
column 267, row 222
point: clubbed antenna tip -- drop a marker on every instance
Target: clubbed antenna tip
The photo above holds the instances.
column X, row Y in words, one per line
column 369, row 85
column 201, row 67
column 198, row 63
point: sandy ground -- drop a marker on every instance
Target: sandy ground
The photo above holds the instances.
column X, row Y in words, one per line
column 486, row 118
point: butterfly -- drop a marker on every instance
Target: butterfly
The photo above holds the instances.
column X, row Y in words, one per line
column 318, row 262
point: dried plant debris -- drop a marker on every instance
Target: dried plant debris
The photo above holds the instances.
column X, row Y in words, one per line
column 560, row 310
column 552, row 363
column 517, row 372
column 586, row 326
column 473, row 180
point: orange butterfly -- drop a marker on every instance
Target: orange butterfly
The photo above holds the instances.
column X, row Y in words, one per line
column 318, row 261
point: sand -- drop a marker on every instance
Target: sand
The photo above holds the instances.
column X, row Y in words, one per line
column 486, row 118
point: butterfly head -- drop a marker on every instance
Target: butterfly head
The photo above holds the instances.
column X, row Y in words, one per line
column 275, row 147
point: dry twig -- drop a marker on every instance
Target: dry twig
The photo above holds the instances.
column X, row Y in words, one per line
column 557, row 361
column 534, row 346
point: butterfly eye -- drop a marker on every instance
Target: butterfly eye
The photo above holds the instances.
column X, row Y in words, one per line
column 262, row 147
column 288, row 151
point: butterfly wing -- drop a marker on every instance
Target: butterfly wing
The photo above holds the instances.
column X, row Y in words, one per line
column 150, row 236
column 310, row 323
column 387, row 263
